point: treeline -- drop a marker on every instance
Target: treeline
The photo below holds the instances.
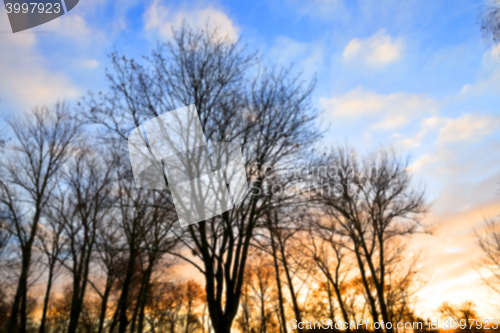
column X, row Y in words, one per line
column 322, row 234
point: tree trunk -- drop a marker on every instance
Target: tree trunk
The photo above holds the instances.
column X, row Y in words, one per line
column 330, row 304
column 24, row 302
column 104, row 305
column 262, row 315
column 79, row 288
column 278, row 280
column 296, row 308
column 142, row 298
column 188, row 314
column 15, row 308
column 381, row 285
column 47, row 298
column 342, row 305
column 378, row 282
column 75, row 306
column 114, row 321
column 336, row 287
column 136, row 310
column 371, row 300
column 124, row 297
column 20, row 297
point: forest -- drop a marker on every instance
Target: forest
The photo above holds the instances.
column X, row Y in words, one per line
column 322, row 235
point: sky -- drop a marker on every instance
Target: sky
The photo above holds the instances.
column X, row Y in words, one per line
column 414, row 75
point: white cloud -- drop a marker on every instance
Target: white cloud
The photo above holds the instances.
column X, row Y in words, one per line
column 426, row 159
column 90, row 63
column 26, row 78
column 427, row 125
column 469, row 127
column 489, row 76
column 72, row 26
column 378, row 50
column 394, row 110
column 162, row 19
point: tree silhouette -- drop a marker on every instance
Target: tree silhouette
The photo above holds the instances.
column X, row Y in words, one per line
column 371, row 204
column 39, row 151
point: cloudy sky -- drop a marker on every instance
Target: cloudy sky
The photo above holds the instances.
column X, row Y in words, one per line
column 416, row 75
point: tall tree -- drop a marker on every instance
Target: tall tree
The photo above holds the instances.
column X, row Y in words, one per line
column 157, row 241
column 82, row 208
column 170, row 304
column 52, row 243
column 145, row 219
column 267, row 111
column 109, row 256
column 282, row 233
column 372, row 204
column 262, row 285
column 41, row 145
column 326, row 249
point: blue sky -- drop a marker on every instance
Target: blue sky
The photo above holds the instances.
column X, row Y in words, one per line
column 414, row 75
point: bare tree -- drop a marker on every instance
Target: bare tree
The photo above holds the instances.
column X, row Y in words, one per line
column 171, row 304
column 52, row 244
column 274, row 254
column 145, row 219
column 109, row 257
column 133, row 210
column 325, row 247
column 402, row 283
column 82, row 208
column 42, row 141
column 262, row 286
column 194, row 296
column 372, row 204
column 267, row 111
column 281, row 238
column 282, row 232
column 157, row 241
column 258, row 295
column 244, row 320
